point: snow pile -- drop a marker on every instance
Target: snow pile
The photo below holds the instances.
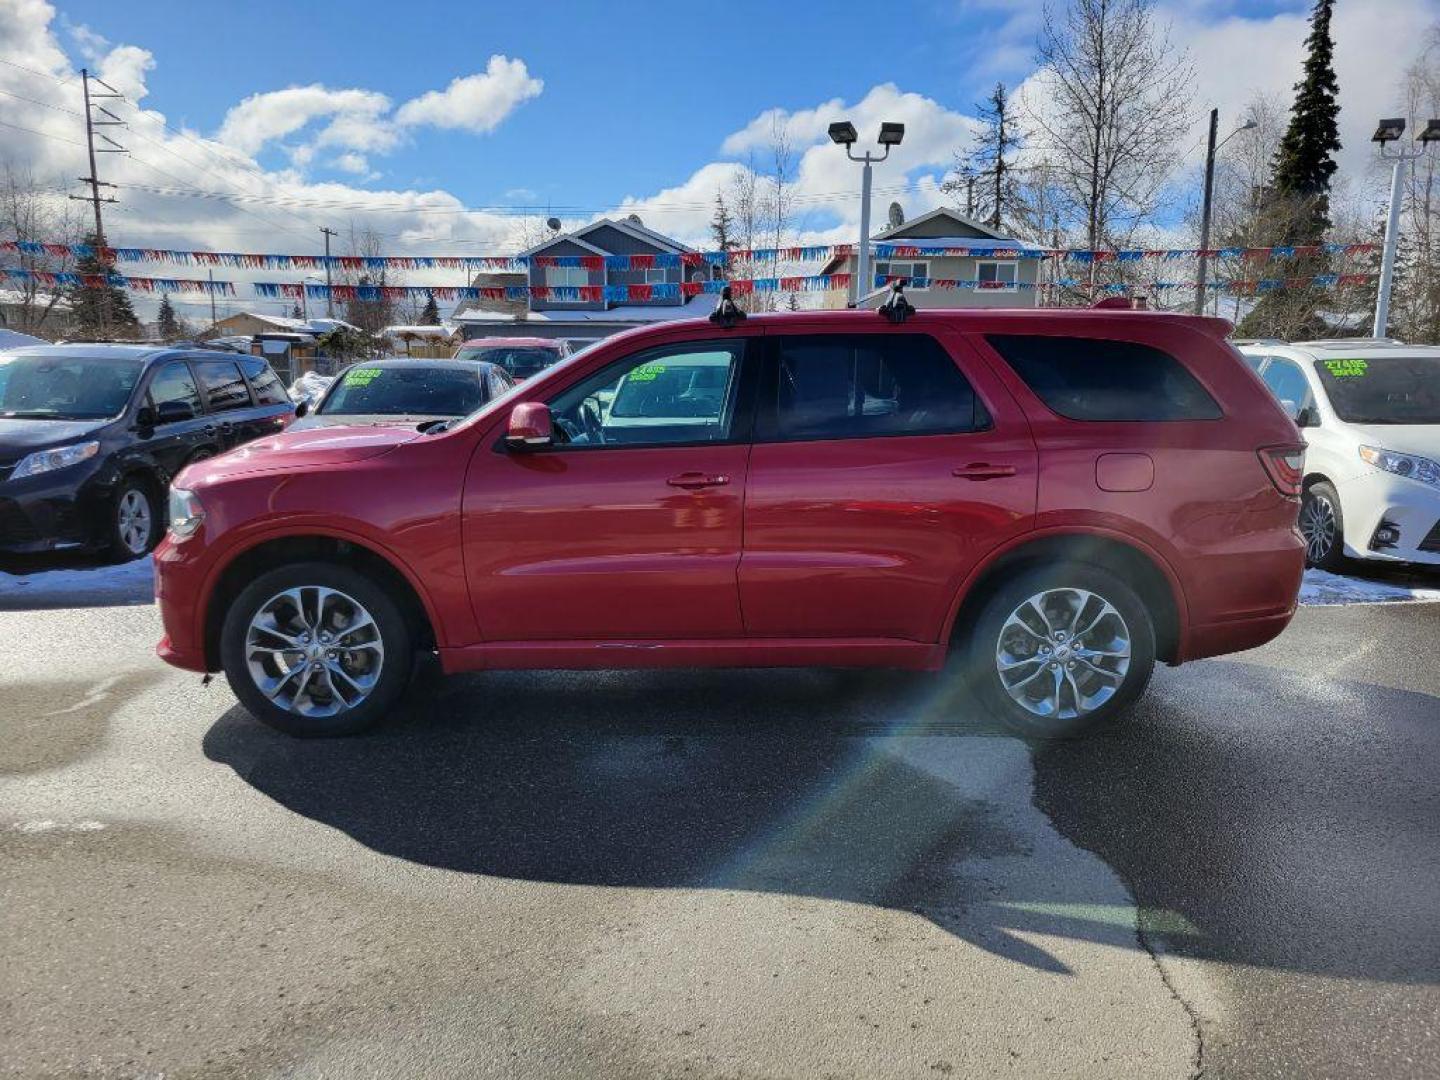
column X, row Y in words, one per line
column 1321, row 587
column 97, row 586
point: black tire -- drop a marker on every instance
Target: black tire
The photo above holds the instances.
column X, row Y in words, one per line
column 395, row 635
column 1321, row 502
column 981, row 651
column 124, row 538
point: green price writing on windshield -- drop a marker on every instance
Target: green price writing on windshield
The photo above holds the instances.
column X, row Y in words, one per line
column 362, row 376
column 647, row 372
column 1345, row 369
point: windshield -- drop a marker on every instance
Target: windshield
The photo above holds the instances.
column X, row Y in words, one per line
column 521, row 361
column 1384, row 390
column 65, row 388
column 405, row 391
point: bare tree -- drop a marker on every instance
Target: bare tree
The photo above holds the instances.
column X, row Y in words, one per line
column 30, row 212
column 1415, row 310
column 1111, row 109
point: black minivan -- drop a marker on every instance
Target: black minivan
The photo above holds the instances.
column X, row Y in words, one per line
column 90, row 436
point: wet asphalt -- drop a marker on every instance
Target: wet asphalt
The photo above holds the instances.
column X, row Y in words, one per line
column 723, row 873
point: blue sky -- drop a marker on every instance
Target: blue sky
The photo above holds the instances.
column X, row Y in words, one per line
column 399, row 117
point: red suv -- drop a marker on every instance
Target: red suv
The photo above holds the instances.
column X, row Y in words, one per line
column 1057, row 498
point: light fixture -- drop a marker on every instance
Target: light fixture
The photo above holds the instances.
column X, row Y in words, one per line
column 891, row 133
column 843, row 132
column 1389, row 130
column 1431, row 132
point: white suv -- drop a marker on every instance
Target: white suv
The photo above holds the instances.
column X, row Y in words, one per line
column 1370, row 413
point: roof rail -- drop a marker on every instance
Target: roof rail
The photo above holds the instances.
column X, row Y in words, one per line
column 1349, row 342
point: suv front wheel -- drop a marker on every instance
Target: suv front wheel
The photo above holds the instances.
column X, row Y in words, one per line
column 316, row 649
column 1057, row 652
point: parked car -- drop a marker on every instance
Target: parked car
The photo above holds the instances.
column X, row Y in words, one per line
column 522, row 357
column 405, row 392
column 91, row 435
column 1058, row 498
column 1370, row 414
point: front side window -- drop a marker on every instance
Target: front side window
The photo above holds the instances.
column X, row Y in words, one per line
column 843, row 386
column 224, row 388
column 1096, row 379
column 269, row 390
column 1287, row 382
column 661, row 397
column 175, row 385
column 65, row 388
column 1383, row 390
column 996, row 275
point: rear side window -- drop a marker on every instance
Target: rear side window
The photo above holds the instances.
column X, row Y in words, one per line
column 1096, row 379
column 269, row 390
column 848, row 386
column 224, row 389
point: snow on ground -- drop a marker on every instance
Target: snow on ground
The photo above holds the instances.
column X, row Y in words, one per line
column 1321, row 588
column 79, row 586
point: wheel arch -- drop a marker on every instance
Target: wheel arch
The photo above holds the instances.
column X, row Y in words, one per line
column 266, row 553
column 1140, row 567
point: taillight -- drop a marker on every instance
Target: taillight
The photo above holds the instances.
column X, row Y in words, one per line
column 1285, row 465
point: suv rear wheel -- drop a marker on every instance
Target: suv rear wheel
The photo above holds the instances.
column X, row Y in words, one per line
column 316, row 649
column 1323, row 527
column 1057, row 652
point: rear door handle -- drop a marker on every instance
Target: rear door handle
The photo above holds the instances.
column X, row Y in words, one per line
column 694, row 480
column 979, row 470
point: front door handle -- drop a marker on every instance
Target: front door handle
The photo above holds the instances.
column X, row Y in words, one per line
column 695, row 480
column 980, row 470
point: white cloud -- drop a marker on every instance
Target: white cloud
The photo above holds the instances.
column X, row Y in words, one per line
column 358, row 116
column 474, row 102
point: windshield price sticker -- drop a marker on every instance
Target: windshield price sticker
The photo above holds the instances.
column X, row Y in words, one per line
column 1345, row 369
column 647, row 372
column 362, row 376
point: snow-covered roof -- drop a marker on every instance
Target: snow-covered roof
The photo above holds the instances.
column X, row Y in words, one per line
column 974, row 243
column 621, row 313
column 418, row 331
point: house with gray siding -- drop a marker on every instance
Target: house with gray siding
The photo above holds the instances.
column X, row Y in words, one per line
column 1004, row 277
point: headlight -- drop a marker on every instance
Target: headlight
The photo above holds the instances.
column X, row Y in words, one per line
column 43, row 461
column 1416, row 468
column 186, row 513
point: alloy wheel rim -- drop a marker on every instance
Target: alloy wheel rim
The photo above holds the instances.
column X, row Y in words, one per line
column 1317, row 526
column 134, row 521
column 1063, row 653
column 314, row 651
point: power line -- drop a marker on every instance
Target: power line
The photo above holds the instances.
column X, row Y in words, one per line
column 37, row 101
column 43, row 134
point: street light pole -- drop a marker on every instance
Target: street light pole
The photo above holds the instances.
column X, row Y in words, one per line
column 1386, row 132
column 843, row 133
column 1211, row 149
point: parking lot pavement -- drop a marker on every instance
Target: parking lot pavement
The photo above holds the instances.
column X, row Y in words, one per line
column 722, row 873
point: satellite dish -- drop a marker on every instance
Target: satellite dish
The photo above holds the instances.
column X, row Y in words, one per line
column 553, row 224
column 634, row 219
column 897, row 215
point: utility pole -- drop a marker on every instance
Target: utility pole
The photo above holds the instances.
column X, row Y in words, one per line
column 329, row 303
column 94, row 178
column 1205, row 210
column 213, row 319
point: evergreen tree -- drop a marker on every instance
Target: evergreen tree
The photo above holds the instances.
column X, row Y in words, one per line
column 991, row 156
column 166, row 323
column 430, row 314
column 722, row 226
column 1305, row 162
column 105, row 306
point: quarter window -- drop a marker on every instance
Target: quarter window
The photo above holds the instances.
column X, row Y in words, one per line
column 174, row 383
column 1287, row 382
column 845, row 386
column 1095, row 379
column 269, row 390
column 661, row 397
column 224, row 388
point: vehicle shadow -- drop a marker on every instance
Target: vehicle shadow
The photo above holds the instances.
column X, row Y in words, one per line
column 806, row 783
column 878, row 790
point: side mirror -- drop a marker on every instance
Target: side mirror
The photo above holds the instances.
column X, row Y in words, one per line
column 302, row 408
column 145, row 418
column 1307, row 417
column 170, row 412
column 1292, row 409
column 530, row 427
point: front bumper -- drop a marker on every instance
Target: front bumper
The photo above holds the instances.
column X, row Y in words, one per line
column 179, row 581
column 63, row 509
column 1411, row 508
